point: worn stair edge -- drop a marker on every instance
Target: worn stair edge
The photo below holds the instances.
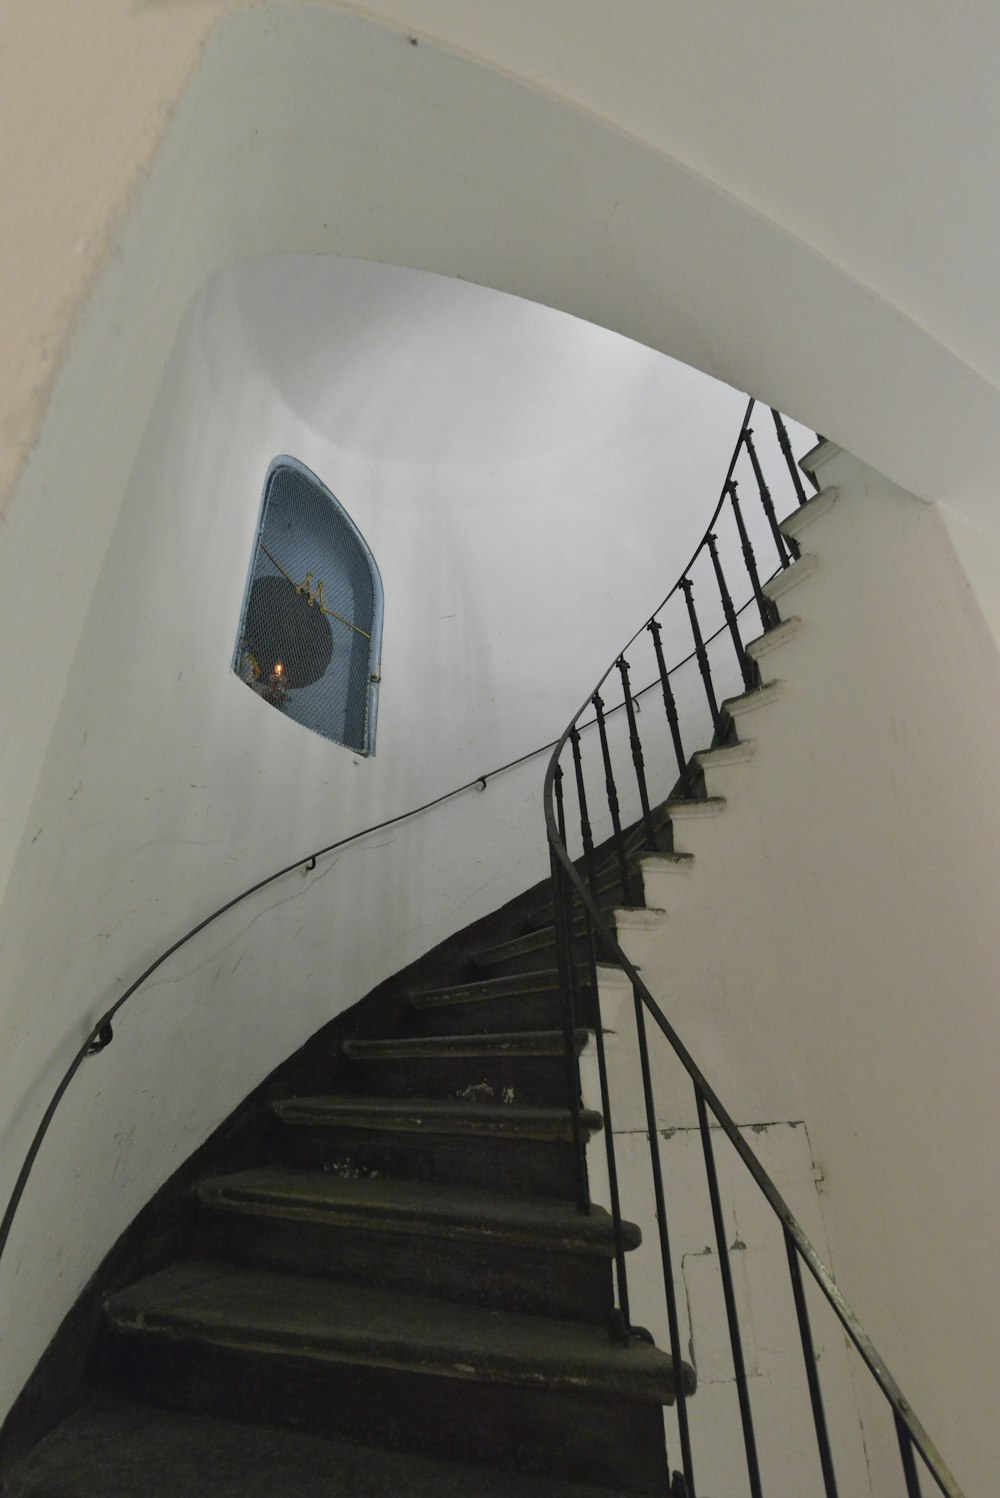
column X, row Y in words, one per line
column 422, row 1116
column 696, row 809
column 277, row 1316
column 789, row 577
column 544, row 980
column 667, row 863
column 608, row 883
column 774, row 639
column 425, row 1209
column 441, row 1047
column 614, row 984
column 639, row 918
column 538, row 940
column 121, row 1450
column 750, row 702
column 799, row 520
column 725, row 754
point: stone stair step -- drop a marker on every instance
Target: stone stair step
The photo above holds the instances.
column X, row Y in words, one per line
column 515, row 1147
column 609, row 895
column 119, row 1449
column 696, row 809
column 433, row 1116
column 535, row 949
column 277, row 1315
column 517, row 1001
column 436, row 1047
column 521, row 1253
column 421, row 1373
column 525, row 1066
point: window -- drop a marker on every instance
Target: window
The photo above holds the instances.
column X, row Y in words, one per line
column 310, row 635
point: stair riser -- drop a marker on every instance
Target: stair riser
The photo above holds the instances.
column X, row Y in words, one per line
column 535, row 1080
column 527, row 1166
column 602, row 1439
column 511, row 1012
column 501, row 1276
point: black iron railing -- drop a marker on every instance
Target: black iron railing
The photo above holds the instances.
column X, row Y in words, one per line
column 744, row 540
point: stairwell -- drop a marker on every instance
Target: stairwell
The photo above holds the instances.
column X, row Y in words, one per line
column 403, row 1289
column 402, row 1295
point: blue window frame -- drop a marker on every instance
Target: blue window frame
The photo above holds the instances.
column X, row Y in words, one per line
column 310, row 636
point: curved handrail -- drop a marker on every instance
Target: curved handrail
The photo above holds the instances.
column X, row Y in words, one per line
column 698, row 551
column 101, row 1034
column 600, row 935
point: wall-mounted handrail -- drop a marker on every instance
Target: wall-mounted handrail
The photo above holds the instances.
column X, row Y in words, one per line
column 101, row 1034
column 576, row 891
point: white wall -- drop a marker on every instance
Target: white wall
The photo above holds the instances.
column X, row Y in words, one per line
column 304, row 129
column 529, row 486
column 832, row 954
column 862, row 131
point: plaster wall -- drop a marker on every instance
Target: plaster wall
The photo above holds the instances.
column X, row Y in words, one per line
column 528, row 484
column 145, row 150
column 832, row 953
column 840, row 124
column 301, row 128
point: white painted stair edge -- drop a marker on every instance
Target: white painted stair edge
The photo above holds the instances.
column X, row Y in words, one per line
column 854, row 975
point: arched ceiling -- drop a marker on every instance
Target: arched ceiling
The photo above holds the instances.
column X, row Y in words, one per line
column 829, row 249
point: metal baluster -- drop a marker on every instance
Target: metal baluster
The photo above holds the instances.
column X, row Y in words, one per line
column 585, row 832
column 768, row 613
column 739, row 1367
column 812, row 1375
column 563, row 912
column 749, row 671
column 671, row 709
column 621, row 1273
column 557, row 781
column 666, row 1262
column 786, row 448
column 906, row 1454
column 687, row 588
column 637, row 759
column 786, row 549
column 612, row 790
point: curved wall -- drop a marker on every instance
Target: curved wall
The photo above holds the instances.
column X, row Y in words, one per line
column 724, row 231
column 505, row 463
column 304, row 129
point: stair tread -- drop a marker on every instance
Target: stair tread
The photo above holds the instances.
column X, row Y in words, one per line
column 285, row 1314
column 544, row 980
column 450, row 1116
column 530, row 941
column 695, row 805
column 505, row 1042
column 120, row 1450
column 414, row 1207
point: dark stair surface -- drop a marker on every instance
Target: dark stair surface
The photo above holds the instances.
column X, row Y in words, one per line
column 402, row 1297
column 122, row 1450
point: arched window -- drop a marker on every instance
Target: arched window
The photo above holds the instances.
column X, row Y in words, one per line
column 310, row 633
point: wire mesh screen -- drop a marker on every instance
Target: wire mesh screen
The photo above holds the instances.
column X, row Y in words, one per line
column 308, row 641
